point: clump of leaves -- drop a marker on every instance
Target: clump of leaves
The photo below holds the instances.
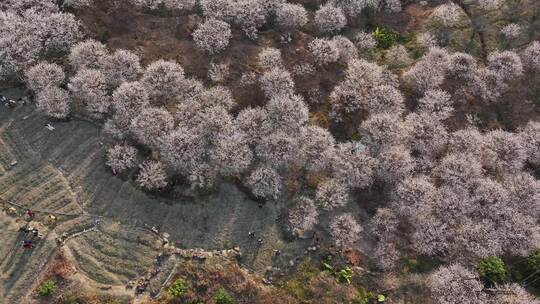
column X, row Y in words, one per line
column 363, row 296
column 343, row 275
column 492, row 269
column 179, row 288
column 385, row 37
column 46, row 288
column 223, row 297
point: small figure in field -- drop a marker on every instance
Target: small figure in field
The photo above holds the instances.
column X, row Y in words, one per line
column 27, row 244
column 29, row 213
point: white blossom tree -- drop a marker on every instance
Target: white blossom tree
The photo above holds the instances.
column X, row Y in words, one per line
column 330, row 19
column 44, row 75
column 54, row 102
column 265, row 183
column 121, row 157
column 345, row 230
column 152, row 175
column 212, row 36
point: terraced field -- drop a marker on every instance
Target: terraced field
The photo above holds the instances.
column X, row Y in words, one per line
column 104, row 219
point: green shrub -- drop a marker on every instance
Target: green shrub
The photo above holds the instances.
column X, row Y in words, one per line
column 46, row 288
column 179, row 288
column 344, row 275
column 385, row 37
column 492, row 269
column 533, row 262
column 363, row 296
column 223, row 297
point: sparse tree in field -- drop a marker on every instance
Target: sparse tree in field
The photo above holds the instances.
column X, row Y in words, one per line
column 504, row 151
column 324, row 51
column 455, row 284
column 150, row 125
column 128, row 100
column 531, row 56
column 89, row 86
column 277, row 82
column 121, row 157
column 345, row 230
column 394, row 164
column 506, row 65
column 332, row 194
column 291, row 17
column 330, row 19
column 88, row 54
column 270, row 58
column 152, row 175
column 436, row 103
column 54, row 102
column 458, row 169
column 265, row 183
column 347, row 49
column 212, row 36
column 44, row 75
column 511, row 31
column 302, row 217
column 531, row 138
column 384, row 130
column 121, row 66
column 163, row 80
column 429, row 72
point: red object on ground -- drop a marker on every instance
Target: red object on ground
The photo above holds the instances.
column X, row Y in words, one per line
column 30, row 213
column 28, row 245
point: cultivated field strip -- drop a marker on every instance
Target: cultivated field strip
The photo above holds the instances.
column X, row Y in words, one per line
column 113, row 255
column 40, row 187
column 20, row 267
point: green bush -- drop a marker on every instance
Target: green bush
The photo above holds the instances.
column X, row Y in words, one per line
column 363, row 296
column 179, row 288
column 533, row 262
column 344, row 275
column 385, row 37
column 46, row 288
column 223, row 297
column 492, row 269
